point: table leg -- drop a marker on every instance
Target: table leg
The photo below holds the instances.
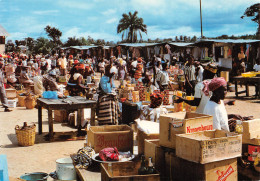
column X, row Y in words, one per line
column 50, row 120
column 93, row 115
column 236, row 89
column 39, row 119
column 247, row 90
column 79, row 120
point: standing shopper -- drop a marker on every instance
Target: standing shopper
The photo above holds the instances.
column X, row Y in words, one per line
column 2, row 90
column 190, row 79
column 215, row 106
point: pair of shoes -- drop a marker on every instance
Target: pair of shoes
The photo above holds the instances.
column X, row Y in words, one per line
column 7, row 110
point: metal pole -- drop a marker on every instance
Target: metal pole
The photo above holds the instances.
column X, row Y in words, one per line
column 201, row 21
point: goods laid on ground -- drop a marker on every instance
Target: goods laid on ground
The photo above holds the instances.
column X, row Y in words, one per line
column 120, row 136
column 182, row 122
column 10, row 93
column 208, row 146
column 61, row 116
column 25, row 134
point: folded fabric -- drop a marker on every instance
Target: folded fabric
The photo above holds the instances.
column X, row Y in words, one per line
column 148, row 127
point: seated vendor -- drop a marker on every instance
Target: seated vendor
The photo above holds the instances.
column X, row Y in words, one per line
column 24, row 77
column 88, row 71
column 107, row 106
column 49, row 81
column 75, row 85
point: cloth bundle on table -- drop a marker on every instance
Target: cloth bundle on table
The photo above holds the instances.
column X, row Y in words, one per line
column 107, row 110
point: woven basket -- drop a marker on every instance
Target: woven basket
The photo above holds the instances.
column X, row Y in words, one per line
column 25, row 137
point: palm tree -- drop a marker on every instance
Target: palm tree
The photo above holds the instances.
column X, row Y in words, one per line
column 131, row 25
column 254, row 12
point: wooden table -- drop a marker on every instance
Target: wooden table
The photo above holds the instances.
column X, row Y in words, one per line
column 247, row 81
column 70, row 104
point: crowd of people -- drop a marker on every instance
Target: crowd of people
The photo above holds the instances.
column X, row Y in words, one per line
column 43, row 71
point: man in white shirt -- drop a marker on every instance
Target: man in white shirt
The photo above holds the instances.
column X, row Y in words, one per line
column 162, row 77
column 257, row 65
column 215, row 106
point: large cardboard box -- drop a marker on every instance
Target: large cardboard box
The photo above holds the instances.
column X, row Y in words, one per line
column 125, row 171
column 153, row 149
column 251, row 129
column 208, row 146
column 120, row 136
column 178, row 169
column 182, row 122
column 141, row 136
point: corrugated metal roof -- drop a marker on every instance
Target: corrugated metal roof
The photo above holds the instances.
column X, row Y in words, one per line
column 181, row 44
column 138, row 44
column 3, row 32
column 229, row 41
column 83, row 47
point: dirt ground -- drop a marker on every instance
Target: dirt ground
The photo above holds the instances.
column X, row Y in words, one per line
column 41, row 156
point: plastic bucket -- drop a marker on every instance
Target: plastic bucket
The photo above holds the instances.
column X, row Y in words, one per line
column 36, row 176
column 65, row 169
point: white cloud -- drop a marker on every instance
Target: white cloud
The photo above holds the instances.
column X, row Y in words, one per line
column 156, row 32
column 75, row 31
column 17, row 36
column 112, row 20
column 109, row 12
column 47, row 12
column 152, row 6
column 72, row 4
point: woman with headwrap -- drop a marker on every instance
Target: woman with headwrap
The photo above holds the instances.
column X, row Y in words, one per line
column 75, row 85
column 139, row 69
column 121, row 69
column 107, row 106
column 215, row 106
column 202, row 95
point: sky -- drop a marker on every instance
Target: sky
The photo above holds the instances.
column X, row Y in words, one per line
column 99, row 18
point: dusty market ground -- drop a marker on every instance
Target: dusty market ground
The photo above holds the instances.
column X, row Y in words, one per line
column 41, row 157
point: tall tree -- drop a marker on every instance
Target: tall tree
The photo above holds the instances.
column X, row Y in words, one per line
column 131, row 25
column 54, row 34
column 254, row 12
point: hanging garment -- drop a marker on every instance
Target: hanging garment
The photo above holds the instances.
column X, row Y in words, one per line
column 206, row 52
column 168, row 49
column 229, row 53
column 226, row 51
column 157, row 50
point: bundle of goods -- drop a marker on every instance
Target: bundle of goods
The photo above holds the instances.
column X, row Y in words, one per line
column 83, row 159
column 234, row 119
column 109, row 154
column 25, row 134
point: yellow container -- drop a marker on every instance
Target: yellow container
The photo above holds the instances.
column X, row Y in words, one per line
column 135, row 95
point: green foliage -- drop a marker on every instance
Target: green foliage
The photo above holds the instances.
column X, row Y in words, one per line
column 131, row 26
column 254, row 12
column 55, row 35
column 42, row 45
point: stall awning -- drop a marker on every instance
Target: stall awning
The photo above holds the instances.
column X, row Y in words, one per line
column 180, row 44
column 138, row 44
column 237, row 41
column 3, row 32
column 83, row 47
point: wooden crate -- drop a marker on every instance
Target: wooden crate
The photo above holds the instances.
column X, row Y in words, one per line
column 120, row 136
column 251, row 129
column 60, row 116
column 178, row 169
column 153, row 149
column 208, row 146
column 253, row 141
column 189, row 123
column 125, row 171
column 10, row 93
column 141, row 136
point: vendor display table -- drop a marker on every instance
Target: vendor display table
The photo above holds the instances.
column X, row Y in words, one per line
column 247, row 81
column 68, row 104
